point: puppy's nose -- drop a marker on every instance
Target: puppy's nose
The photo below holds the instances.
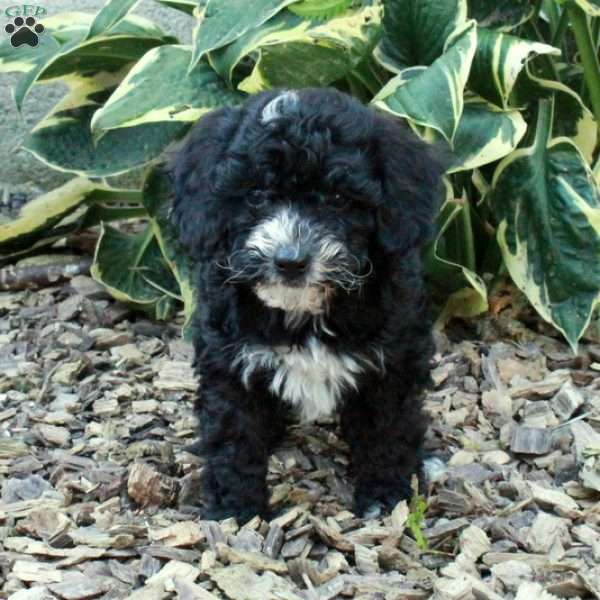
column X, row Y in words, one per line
column 290, row 261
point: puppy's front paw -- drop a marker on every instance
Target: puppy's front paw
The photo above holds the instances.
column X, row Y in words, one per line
column 242, row 514
column 373, row 498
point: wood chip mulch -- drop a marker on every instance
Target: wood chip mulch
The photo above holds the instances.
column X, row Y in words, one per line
column 99, row 481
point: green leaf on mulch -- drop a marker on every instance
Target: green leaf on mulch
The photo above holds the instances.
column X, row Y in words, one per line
column 134, row 271
column 548, row 209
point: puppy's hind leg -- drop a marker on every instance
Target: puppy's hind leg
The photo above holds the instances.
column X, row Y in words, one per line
column 384, row 426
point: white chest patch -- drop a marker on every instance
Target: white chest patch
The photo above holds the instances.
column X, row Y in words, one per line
column 310, row 378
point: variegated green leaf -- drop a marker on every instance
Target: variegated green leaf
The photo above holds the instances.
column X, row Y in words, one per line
column 571, row 117
column 283, row 27
column 133, row 269
column 140, row 98
column 64, row 140
column 591, row 7
column 463, row 291
column 45, row 216
column 548, row 211
column 224, row 21
column 186, row 6
column 110, row 14
column 485, row 134
column 77, row 58
column 65, row 31
column 414, row 33
column 58, row 30
column 319, row 9
column 433, row 96
column 499, row 59
column 311, row 53
column 503, row 15
column 157, row 195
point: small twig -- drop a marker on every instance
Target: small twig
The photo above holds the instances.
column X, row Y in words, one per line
column 46, row 383
column 20, row 278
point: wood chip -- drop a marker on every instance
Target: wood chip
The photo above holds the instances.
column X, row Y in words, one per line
column 474, row 542
column 531, row 440
column 566, row 401
column 81, row 589
column 240, row 582
column 184, row 533
column 175, row 568
column 563, row 505
column 273, row 541
column 149, row 487
column 330, row 536
column 366, row 560
column 258, row 562
column 176, row 376
column 186, row 590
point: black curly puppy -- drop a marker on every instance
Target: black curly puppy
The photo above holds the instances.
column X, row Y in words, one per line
column 305, row 213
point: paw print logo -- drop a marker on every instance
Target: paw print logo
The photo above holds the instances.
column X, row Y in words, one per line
column 24, row 31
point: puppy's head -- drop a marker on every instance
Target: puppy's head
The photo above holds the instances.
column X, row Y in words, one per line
column 297, row 194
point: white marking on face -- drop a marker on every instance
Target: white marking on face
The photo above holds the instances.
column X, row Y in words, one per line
column 285, row 102
column 287, row 228
column 311, row 378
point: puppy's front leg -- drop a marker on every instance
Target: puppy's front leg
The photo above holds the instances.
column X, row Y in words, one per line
column 384, row 426
column 235, row 446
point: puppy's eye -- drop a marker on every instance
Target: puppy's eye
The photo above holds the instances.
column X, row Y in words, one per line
column 256, row 200
column 336, row 201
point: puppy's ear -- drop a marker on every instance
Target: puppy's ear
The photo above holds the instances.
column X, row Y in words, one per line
column 411, row 176
column 200, row 171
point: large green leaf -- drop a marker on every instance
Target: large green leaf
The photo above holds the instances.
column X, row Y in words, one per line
column 67, row 55
column 186, row 6
column 499, row 59
column 463, row 292
column 59, row 30
column 224, row 21
column 111, row 13
column 140, row 98
column 294, row 52
column 64, row 138
column 133, row 269
column 504, row 15
column 592, row 7
column 157, row 196
column 283, row 27
column 433, row 96
column 548, row 209
column 46, row 216
column 319, row 9
column 414, row 33
column 485, row 134
column 571, row 117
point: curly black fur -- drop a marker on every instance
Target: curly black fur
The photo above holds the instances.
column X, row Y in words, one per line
column 375, row 185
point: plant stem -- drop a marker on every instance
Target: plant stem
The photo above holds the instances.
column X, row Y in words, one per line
column 467, row 230
column 550, row 8
column 589, row 60
column 561, row 28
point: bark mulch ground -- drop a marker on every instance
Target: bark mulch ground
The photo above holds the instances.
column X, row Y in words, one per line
column 99, row 483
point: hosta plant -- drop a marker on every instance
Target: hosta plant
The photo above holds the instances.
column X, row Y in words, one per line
column 511, row 89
